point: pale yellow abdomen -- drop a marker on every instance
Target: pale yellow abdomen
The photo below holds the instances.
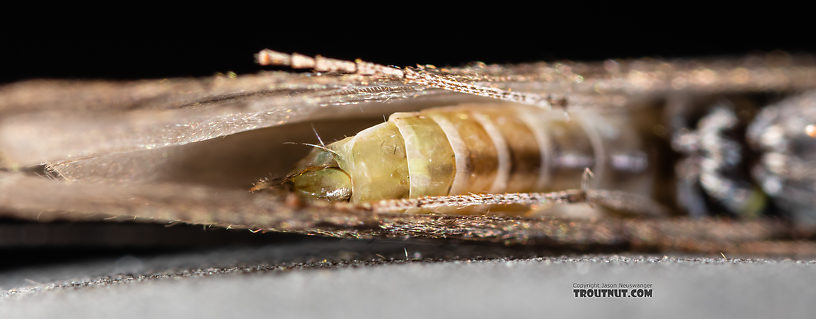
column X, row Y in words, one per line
column 489, row 148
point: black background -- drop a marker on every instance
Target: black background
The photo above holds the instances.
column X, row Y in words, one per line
column 158, row 44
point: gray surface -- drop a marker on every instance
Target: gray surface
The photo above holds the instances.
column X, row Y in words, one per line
column 357, row 281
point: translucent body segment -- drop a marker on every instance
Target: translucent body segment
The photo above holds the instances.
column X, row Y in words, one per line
column 475, row 154
column 538, row 121
column 503, row 157
column 376, row 160
column 571, row 152
column 621, row 158
column 431, row 162
column 521, row 145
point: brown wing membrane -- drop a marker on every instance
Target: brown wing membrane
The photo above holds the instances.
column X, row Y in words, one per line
column 187, row 150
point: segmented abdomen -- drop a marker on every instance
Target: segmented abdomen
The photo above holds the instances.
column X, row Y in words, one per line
column 493, row 148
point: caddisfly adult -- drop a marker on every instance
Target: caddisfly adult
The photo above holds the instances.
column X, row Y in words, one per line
column 523, row 147
column 702, row 136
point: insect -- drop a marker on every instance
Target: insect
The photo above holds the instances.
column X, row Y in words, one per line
column 185, row 150
column 525, row 147
column 465, row 149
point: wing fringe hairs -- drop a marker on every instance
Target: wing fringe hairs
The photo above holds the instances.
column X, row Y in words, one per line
column 98, row 140
column 167, row 203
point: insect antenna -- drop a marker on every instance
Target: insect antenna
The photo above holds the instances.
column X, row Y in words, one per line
column 322, row 64
column 416, row 75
